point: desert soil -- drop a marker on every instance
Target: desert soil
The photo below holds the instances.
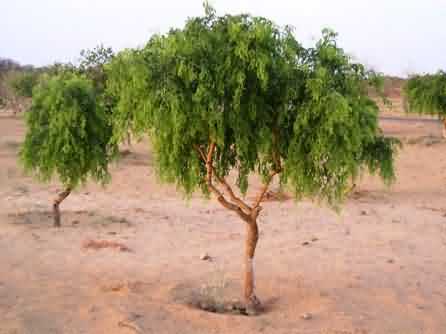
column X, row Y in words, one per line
column 379, row 266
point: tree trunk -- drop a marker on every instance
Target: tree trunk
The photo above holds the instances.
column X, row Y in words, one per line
column 252, row 236
column 56, row 212
column 444, row 127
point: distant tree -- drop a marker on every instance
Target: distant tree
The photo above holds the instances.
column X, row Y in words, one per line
column 237, row 93
column 426, row 94
column 58, row 68
column 7, row 65
column 92, row 64
column 24, row 82
column 68, row 134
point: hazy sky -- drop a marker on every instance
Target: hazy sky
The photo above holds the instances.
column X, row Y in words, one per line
column 393, row 36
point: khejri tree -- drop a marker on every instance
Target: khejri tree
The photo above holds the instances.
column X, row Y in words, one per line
column 238, row 94
column 426, row 94
column 69, row 128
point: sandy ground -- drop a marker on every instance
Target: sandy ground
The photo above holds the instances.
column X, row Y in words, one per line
column 377, row 267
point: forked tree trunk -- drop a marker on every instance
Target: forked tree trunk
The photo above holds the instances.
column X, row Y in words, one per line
column 56, row 212
column 252, row 236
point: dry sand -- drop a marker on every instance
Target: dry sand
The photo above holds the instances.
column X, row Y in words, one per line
column 378, row 267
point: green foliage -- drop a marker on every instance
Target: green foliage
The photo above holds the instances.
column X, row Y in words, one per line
column 68, row 131
column 24, row 82
column 267, row 102
column 426, row 94
column 92, row 64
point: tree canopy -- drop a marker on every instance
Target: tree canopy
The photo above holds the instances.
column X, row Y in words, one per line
column 24, row 82
column 68, row 131
column 426, row 94
column 268, row 104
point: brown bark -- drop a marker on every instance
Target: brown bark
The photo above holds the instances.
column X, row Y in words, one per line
column 252, row 236
column 56, row 212
column 247, row 213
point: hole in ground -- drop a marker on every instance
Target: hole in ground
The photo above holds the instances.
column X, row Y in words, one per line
column 220, row 298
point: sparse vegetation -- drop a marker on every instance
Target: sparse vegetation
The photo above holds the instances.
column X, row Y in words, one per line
column 426, row 94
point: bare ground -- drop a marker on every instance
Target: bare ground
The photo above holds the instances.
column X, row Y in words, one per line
column 377, row 267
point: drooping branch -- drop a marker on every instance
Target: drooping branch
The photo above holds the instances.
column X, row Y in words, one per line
column 277, row 168
column 200, row 152
column 275, row 152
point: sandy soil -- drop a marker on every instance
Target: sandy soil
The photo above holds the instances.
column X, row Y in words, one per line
column 377, row 267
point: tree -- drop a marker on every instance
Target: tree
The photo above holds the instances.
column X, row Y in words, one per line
column 68, row 134
column 92, row 63
column 426, row 94
column 24, row 82
column 237, row 93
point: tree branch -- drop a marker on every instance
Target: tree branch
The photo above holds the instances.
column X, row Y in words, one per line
column 277, row 168
column 213, row 189
column 200, row 152
column 231, row 194
column 223, row 182
column 256, row 206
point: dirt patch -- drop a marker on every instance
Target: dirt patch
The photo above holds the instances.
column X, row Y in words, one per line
column 376, row 267
column 130, row 157
column 101, row 244
column 425, row 140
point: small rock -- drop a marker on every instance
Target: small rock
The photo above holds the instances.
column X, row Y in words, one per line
column 230, row 307
column 75, row 222
column 112, row 233
column 314, row 239
column 307, row 316
column 251, row 311
column 305, row 243
column 390, row 261
column 363, row 213
column 205, row 257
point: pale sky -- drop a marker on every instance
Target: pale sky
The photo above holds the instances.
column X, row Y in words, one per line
column 396, row 37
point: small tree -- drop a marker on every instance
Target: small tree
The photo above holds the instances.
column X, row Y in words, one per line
column 426, row 94
column 92, row 63
column 68, row 134
column 237, row 93
column 24, row 82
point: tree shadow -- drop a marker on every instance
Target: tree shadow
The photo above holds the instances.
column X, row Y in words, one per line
column 43, row 219
column 128, row 157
